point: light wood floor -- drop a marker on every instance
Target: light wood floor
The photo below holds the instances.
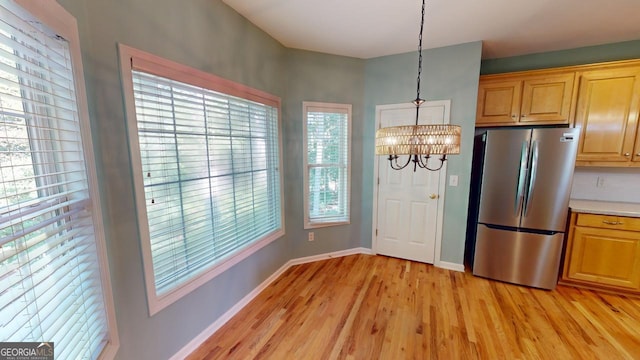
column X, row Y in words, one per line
column 375, row 307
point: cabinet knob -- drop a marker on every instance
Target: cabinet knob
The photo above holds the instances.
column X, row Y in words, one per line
column 638, row 154
column 513, row 116
column 627, row 154
column 523, row 115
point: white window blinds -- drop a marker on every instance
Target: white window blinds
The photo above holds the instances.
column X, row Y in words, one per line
column 210, row 168
column 50, row 284
column 327, row 140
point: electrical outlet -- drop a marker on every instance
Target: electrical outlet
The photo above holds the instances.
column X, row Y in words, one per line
column 311, row 236
column 600, row 182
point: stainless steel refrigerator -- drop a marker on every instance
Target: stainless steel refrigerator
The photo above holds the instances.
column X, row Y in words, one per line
column 523, row 204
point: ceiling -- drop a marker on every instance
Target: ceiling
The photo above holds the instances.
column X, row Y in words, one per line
column 372, row 28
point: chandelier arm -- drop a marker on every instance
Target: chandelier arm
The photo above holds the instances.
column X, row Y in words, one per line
column 416, row 161
column 397, row 166
column 442, row 160
column 424, row 163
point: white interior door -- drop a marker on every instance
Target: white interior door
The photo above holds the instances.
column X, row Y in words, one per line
column 408, row 221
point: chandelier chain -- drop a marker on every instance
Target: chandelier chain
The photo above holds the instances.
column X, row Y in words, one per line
column 418, row 100
column 419, row 142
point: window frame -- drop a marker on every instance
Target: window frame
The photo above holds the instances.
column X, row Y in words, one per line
column 55, row 17
column 310, row 106
column 156, row 65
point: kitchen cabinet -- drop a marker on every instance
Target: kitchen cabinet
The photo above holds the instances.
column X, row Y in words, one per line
column 531, row 98
column 603, row 251
column 607, row 110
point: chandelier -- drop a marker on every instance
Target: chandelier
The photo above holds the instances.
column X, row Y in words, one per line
column 419, row 142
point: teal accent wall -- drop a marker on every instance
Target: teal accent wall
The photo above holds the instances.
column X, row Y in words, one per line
column 579, row 56
column 448, row 73
column 204, row 34
column 210, row 36
column 320, row 77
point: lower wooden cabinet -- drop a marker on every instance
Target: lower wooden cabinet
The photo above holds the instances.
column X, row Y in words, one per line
column 603, row 252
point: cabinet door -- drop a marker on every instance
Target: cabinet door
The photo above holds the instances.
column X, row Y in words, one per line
column 607, row 111
column 606, row 257
column 547, row 99
column 498, row 102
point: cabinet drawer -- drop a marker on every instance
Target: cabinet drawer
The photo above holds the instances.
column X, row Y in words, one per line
column 609, row 222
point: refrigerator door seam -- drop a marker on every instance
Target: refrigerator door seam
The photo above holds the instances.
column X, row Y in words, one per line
column 524, row 154
column 532, row 175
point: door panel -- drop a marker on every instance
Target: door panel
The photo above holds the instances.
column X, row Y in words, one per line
column 549, row 189
column 503, row 177
column 407, row 218
column 391, row 219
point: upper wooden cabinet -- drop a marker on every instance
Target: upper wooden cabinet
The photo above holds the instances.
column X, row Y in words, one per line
column 607, row 111
column 543, row 98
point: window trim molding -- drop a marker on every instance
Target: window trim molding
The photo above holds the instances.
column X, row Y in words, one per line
column 325, row 107
column 58, row 19
column 130, row 59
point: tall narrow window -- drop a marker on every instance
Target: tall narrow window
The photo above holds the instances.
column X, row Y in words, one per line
column 327, row 148
column 207, row 172
column 51, row 247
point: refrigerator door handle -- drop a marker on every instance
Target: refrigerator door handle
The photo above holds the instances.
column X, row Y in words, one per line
column 532, row 177
column 522, row 171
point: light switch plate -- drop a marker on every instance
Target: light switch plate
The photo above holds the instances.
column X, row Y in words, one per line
column 453, row 180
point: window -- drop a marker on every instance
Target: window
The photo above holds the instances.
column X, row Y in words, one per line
column 327, row 145
column 206, row 159
column 54, row 283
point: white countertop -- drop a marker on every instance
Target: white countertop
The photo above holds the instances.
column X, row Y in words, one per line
column 605, row 207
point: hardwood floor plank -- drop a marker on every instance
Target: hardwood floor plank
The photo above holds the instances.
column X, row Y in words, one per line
column 375, row 307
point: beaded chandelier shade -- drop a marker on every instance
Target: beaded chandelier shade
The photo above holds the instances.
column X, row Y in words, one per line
column 419, row 142
column 418, row 139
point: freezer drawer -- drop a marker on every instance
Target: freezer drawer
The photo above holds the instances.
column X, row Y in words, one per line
column 518, row 257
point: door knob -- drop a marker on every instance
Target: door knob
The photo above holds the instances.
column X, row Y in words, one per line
column 433, row 196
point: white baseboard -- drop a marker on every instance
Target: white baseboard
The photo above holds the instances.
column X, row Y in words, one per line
column 211, row 329
column 450, row 266
column 330, row 255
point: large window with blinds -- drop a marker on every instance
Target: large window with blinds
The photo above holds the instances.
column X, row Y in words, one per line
column 54, row 283
column 327, row 149
column 207, row 172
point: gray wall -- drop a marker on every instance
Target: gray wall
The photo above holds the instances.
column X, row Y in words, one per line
column 448, row 73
